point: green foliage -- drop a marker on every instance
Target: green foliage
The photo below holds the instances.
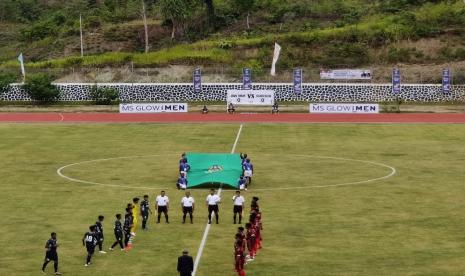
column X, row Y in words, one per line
column 40, row 88
column 5, row 80
column 104, row 95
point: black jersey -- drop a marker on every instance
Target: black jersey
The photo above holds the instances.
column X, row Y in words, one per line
column 99, row 228
column 128, row 223
column 118, row 227
column 144, row 206
column 90, row 239
column 51, row 245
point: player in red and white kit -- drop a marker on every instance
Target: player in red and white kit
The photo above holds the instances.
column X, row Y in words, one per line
column 250, row 237
column 258, row 227
column 239, row 256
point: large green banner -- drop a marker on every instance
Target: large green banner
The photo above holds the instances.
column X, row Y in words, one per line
column 213, row 169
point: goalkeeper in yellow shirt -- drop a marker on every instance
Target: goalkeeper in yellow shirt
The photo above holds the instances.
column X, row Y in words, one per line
column 135, row 214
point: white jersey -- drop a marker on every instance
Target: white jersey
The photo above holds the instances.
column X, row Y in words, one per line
column 238, row 200
column 162, row 200
column 187, row 201
column 213, row 199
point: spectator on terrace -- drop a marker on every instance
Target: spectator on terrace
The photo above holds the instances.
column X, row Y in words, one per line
column 275, row 108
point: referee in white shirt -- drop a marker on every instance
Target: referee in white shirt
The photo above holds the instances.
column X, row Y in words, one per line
column 162, row 204
column 187, row 204
column 212, row 203
column 238, row 201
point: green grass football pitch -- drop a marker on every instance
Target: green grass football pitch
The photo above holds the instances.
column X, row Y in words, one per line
column 410, row 223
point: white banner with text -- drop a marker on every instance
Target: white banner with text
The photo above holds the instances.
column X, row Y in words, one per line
column 344, row 108
column 348, row 74
column 152, row 107
column 250, row 97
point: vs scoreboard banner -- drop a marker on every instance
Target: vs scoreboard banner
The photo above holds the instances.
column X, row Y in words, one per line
column 250, row 97
column 153, row 108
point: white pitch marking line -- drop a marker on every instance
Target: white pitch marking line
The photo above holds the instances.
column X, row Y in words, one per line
column 393, row 172
column 59, row 172
column 207, row 228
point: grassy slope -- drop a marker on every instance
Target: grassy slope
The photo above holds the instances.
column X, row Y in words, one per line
column 254, row 50
column 408, row 224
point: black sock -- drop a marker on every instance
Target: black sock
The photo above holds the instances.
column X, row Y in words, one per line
column 234, row 218
column 159, row 215
column 216, row 215
column 55, row 265
column 240, row 218
column 166, row 217
column 88, row 258
column 184, row 218
column 190, row 215
column 209, row 217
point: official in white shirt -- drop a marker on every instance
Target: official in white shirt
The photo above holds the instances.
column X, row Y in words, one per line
column 238, row 202
column 212, row 204
column 162, row 204
column 187, row 205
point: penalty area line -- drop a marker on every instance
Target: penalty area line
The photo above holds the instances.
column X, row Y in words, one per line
column 207, row 228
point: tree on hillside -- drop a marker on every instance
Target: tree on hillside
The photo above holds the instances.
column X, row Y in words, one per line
column 146, row 31
column 244, row 7
column 210, row 12
column 177, row 11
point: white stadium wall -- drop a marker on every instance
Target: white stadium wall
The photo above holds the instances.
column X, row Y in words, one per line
column 311, row 92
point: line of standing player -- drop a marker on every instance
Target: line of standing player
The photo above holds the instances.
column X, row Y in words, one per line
column 251, row 240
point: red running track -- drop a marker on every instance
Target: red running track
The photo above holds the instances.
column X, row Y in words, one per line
column 439, row 118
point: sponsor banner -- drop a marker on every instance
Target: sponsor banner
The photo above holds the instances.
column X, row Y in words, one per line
column 152, row 107
column 349, row 74
column 396, row 88
column 345, row 108
column 446, row 81
column 197, row 79
column 298, row 81
column 246, row 79
column 250, row 97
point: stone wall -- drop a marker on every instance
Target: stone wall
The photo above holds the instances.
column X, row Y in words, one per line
column 312, row 92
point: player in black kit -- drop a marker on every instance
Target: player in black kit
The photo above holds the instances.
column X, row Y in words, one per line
column 99, row 233
column 51, row 253
column 118, row 233
column 90, row 241
column 128, row 223
column 144, row 211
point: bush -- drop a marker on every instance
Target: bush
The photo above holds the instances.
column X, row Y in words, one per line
column 104, row 95
column 5, row 81
column 40, row 88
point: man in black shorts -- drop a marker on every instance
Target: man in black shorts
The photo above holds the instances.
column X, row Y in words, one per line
column 90, row 241
column 128, row 224
column 144, row 211
column 51, row 253
column 118, row 233
column 162, row 204
column 187, row 204
column 99, row 233
column 212, row 204
column 238, row 202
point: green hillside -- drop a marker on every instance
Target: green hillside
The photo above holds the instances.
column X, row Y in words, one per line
column 313, row 33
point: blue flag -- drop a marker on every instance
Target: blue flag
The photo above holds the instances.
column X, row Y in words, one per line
column 197, row 79
column 246, row 79
column 446, row 81
column 298, row 81
column 396, row 87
